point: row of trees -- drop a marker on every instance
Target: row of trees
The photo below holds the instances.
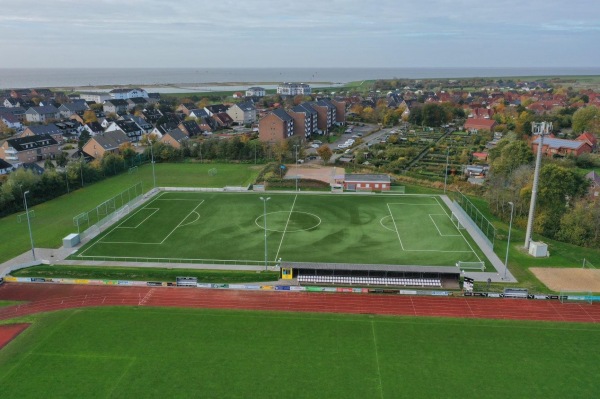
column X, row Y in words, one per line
column 562, row 200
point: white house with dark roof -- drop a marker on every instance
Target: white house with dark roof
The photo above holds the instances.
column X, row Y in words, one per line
column 11, row 121
column 68, row 109
column 293, row 89
column 367, row 182
column 255, row 91
column 129, row 127
column 243, row 112
column 124, row 94
column 42, row 114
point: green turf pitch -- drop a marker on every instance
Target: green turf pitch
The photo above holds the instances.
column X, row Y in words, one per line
column 165, row 353
column 229, row 227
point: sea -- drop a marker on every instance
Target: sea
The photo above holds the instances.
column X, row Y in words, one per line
column 214, row 79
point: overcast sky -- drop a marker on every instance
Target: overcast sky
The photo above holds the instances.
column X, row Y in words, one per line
column 306, row 33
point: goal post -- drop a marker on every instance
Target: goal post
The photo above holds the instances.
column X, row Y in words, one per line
column 471, row 265
column 588, row 265
column 575, row 297
column 456, row 221
column 23, row 216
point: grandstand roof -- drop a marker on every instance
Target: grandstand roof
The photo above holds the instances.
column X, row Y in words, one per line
column 387, row 268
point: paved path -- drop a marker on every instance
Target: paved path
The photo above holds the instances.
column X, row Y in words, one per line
column 503, row 275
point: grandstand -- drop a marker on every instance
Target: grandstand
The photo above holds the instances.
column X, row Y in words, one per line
column 373, row 275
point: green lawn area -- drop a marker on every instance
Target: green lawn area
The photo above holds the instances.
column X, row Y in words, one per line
column 229, row 228
column 54, row 219
column 144, row 274
column 8, row 303
column 160, row 353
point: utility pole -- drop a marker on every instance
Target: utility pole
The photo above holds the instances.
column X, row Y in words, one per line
column 296, row 148
column 512, row 211
column 29, row 223
column 542, row 129
column 446, row 174
column 264, row 200
column 152, row 155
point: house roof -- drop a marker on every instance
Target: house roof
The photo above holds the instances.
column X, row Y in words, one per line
column 216, row 108
column 191, row 127
column 246, row 106
column 560, row 143
column 589, row 137
column 223, row 117
column 281, row 114
column 128, row 126
column 9, row 118
column 30, row 142
column 4, row 164
column 378, row 178
column 44, row 110
column 75, row 106
column 177, row 135
column 95, row 127
column 124, row 90
column 50, row 128
column 479, row 123
column 111, row 140
column 117, row 102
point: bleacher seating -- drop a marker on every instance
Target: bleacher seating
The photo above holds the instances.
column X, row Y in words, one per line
column 387, row 281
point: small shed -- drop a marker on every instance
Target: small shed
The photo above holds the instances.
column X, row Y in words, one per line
column 367, row 182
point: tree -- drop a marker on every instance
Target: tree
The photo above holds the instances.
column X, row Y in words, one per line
column 512, row 155
column 89, row 116
column 587, row 119
column 62, row 159
column 325, row 153
column 83, row 138
column 48, row 164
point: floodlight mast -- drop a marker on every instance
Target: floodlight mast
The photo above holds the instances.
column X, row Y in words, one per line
column 541, row 129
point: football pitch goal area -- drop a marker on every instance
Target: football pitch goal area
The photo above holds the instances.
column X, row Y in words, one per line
column 229, row 228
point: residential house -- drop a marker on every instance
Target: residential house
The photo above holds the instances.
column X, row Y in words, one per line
column 17, row 112
column 68, row 109
column 243, row 113
column 136, row 102
column 116, row 106
column 151, row 115
column 367, row 182
column 198, row 113
column 479, row 124
column 190, row 128
column 98, row 98
column 186, row 108
column 124, row 94
column 175, row 138
column 255, row 92
column 560, row 147
column 589, row 138
column 305, row 120
column 238, row 94
column 5, row 167
column 163, row 128
column 223, row 119
column 293, row 89
column 594, row 189
column 70, row 129
column 93, row 128
column 107, row 142
column 42, row 114
column 20, row 93
column 215, row 109
column 141, row 122
column 326, row 114
column 29, row 149
column 276, row 126
column 11, row 121
column 43, row 93
column 40, row 130
column 129, row 127
column 11, row 102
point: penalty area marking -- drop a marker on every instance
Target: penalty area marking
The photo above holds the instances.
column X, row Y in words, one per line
column 438, row 229
column 140, row 223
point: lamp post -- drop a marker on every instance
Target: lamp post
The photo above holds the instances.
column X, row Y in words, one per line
column 152, row 155
column 296, row 148
column 512, row 209
column 446, row 174
column 81, row 169
column 264, row 200
column 29, row 223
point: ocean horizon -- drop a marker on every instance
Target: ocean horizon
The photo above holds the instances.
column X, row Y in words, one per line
column 81, row 77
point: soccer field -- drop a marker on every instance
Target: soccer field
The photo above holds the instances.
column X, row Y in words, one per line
column 166, row 353
column 230, row 228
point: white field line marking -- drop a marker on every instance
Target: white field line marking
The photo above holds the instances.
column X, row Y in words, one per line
column 286, row 225
column 140, row 223
column 463, row 236
column 437, row 228
column 177, row 199
column 180, row 223
column 395, row 226
column 408, row 203
column 193, row 221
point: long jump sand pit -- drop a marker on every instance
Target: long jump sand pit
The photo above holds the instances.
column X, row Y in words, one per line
column 568, row 279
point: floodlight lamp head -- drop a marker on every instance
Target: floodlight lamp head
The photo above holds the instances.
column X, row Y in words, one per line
column 26, row 192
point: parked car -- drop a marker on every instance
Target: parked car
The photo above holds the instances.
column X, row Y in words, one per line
column 315, row 145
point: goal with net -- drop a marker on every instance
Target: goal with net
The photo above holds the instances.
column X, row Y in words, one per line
column 212, row 172
column 456, row 221
column 471, row 265
column 23, row 217
column 575, row 297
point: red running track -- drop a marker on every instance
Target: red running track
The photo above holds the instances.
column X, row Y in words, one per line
column 49, row 297
column 10, row 332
